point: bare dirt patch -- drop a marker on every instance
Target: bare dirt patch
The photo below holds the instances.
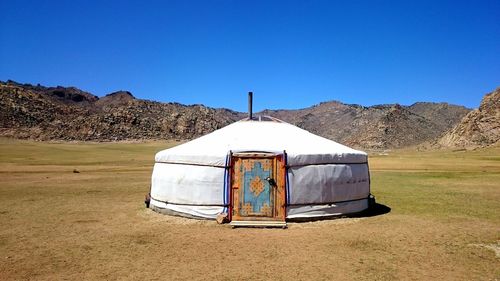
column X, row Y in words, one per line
column 495, row 247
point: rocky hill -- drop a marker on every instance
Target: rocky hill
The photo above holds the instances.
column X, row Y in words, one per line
column 67, row 113
column 59, row 113
column 381, row 126
column 481, row 127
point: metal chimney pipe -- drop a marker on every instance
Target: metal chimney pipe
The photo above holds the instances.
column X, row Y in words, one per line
column 250, row 101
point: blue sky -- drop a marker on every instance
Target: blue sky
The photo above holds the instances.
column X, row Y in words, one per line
column 291, row 54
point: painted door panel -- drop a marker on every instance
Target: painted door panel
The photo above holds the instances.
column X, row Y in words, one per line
column 257, row 188
column 256, row 194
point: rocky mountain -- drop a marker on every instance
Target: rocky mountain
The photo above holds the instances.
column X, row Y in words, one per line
column 481, row 127
column 67, row 113
column 42, row 113
column 381, row 126
column 442, row 114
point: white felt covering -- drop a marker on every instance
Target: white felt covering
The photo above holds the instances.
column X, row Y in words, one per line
column 189, row 178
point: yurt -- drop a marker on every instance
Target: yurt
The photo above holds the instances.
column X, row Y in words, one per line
column 260, row 171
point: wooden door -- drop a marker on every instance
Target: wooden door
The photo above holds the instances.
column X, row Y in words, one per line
column 257, row 187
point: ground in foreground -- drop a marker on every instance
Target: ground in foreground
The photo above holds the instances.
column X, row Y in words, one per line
column 75, row 211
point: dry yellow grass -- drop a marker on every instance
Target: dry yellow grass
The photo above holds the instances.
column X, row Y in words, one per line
column 59, row 225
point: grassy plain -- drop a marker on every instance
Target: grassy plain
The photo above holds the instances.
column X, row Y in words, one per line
column 55, row 224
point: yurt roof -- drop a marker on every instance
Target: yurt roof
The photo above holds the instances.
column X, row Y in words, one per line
column 266, row 135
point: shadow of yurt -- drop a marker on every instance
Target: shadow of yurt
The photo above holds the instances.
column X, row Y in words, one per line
column 375, row 209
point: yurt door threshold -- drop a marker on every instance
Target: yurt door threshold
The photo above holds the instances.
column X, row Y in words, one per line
column 258, row 190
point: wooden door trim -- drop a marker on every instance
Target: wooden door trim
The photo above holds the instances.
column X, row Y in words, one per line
column 279, row 195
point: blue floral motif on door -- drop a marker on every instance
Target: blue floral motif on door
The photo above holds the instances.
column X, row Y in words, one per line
column 256, row 199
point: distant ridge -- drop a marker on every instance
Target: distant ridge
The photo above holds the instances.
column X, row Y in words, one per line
column 48, row 113
column 67, row 113
column 119, row 98
column 379, row 126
